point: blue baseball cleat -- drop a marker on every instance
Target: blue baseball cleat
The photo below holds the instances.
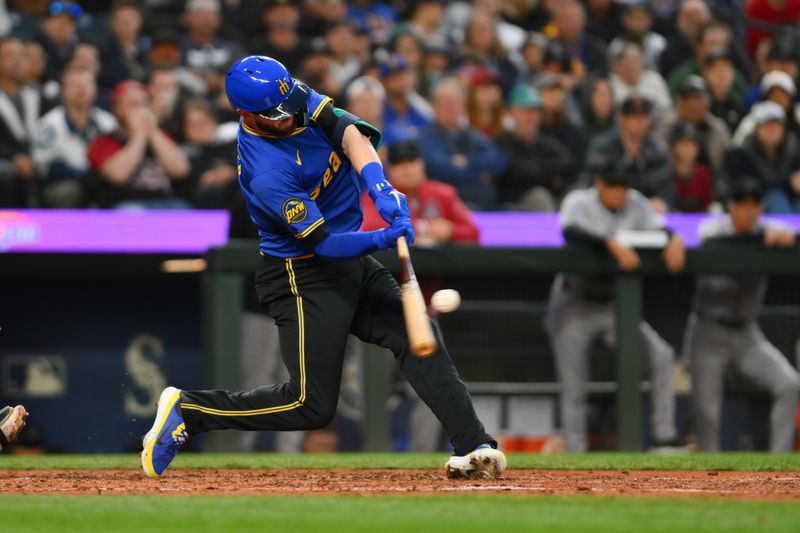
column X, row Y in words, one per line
column 166, row 436
column 484, row 462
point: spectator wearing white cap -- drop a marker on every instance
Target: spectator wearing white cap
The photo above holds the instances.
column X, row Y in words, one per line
column 771, row 153
column 777, row 87
column 781, row 55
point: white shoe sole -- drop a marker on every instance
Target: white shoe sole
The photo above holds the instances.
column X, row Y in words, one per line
column 485, row 463
column 165, row 402
column 13, row 424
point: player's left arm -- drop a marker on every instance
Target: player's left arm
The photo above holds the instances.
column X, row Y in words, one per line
column 357, row 147
column 358, row 140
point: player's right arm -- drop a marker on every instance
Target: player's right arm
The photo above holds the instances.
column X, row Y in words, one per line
column 303, row 219
column 356, row 244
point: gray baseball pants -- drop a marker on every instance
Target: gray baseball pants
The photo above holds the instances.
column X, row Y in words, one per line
column 573, row 325
column 713, row 348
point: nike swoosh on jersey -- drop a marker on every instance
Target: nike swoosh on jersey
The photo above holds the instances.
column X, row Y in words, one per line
column 298, row 158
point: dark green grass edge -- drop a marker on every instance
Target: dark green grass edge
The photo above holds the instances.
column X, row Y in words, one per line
column 436, row 513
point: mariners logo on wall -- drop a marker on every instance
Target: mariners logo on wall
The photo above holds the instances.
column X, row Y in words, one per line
column 294, row 210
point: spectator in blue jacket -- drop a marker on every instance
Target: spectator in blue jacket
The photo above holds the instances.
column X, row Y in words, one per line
column 460, row 155
column 405, row 112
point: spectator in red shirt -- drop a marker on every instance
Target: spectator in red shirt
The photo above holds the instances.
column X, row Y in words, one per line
column 136, row 164
column 694, row 188
column 439, row 216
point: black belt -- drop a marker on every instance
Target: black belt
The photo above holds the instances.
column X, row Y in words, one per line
column 732, row 323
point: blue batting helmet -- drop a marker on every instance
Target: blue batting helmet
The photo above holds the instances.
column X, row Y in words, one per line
column 262, row 85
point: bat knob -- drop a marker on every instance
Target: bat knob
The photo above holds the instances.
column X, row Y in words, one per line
column 423, row 349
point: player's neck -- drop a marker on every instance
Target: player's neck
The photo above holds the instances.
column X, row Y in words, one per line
column 250, row 122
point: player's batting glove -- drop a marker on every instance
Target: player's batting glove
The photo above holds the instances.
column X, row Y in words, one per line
column 386, row 238
column 391, row 204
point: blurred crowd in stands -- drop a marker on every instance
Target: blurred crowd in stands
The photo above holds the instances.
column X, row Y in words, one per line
column 511, row 102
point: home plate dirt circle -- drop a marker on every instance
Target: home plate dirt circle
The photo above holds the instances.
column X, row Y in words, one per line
column 744, row 485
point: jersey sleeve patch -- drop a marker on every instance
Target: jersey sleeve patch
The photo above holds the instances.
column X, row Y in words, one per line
column 294, row 210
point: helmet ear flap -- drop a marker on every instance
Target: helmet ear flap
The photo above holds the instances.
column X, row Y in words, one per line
column 301, row 118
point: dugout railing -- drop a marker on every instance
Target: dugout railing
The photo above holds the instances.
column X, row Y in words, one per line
column 223, row 303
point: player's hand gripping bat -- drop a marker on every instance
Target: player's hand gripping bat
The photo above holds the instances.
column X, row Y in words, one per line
column 418, row 325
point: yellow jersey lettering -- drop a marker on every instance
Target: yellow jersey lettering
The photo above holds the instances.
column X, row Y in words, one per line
column 294, row 211
column 334, row 161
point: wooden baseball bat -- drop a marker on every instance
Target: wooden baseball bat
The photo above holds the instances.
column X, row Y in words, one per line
column 418, row 325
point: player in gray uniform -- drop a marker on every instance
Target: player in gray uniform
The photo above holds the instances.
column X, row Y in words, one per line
column 723, row 329
column 581, row 307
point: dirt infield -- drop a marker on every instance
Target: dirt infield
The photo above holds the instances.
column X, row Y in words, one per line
column 745, row 485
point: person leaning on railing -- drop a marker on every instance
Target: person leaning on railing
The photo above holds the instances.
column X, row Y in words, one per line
column 581, row 307
column 723, row 330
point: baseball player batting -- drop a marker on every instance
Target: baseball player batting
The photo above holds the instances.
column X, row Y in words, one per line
column 302, row 166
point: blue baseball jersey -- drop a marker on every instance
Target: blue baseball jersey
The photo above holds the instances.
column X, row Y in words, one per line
column 293, row 184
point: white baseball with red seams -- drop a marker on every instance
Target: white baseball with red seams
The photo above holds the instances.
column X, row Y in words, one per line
column 445, row 300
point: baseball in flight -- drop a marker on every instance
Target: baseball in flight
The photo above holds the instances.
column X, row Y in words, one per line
column 445, row 300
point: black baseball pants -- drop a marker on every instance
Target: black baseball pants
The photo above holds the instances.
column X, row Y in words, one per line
column 316, row 303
